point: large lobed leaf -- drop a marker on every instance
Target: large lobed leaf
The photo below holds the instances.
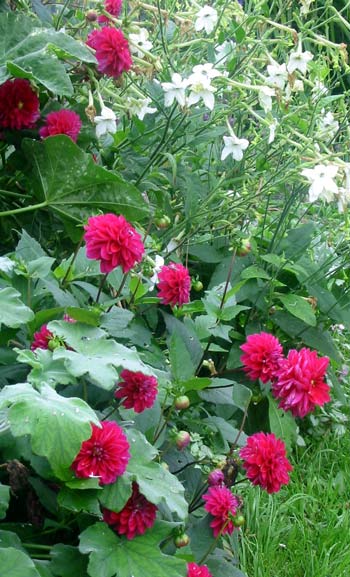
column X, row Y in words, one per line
column 57, row 425
column 68, row 180
column 111, row 556
column 13, row 312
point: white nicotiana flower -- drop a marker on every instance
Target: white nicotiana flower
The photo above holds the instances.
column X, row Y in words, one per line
column 140, row 107
column 201, row 89
column 344, row 191
column 299, row 60
column 327, row 126
column 106, row 123
column 323, row 185
column 223, row 51
column 278, row 74
column 206, row 19
column 175, row 90
column 272, row 130
column 234, row 146
column 158, row 263
column 206, row 70
column 6, row 264
column 140, row 43
column 298, row 86
column 319, row 90
column 265, row 95
column 305, row 6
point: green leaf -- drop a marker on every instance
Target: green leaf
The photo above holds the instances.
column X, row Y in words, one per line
column 299, row 308
column 67, row 561
column 79, row 501
column 4, row 499
column 111, row 556
column 57, row 425
column 70, row 183
column 182, row 367
column 15, row 563
column 29, row 51
column 9, row 539
column 116, row 321
column 254, row 272
column 115, row 496
column 89, row 317
column 45, row 368
column 196, row 384
column 282, row 424
column 241, row 396
column 155, row 482
column 28, row 248
column 13, row 313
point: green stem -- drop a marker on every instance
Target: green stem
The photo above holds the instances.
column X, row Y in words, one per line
column 73, row 260
column 102, row 284
column 213, row 545
column 37, row 546
column 24, row 209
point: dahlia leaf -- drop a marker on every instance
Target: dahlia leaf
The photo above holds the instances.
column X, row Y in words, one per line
column 15, row 563
column 114, row 496
column 282, row 424
column 67, row 561
column 156, row 483
column 57, row 425
column 241, row 396
column 13, row 312
column 45, row 368
column 70, row 183
column 112, row 556
column 77, row 501
column 298, row 307
column 4, row 499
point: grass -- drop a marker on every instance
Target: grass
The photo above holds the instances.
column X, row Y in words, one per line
column 304, row 530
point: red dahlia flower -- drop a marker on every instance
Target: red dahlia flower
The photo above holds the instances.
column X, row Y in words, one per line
column 42, row 338
column 222, row 505
column 264, row 459
column 262, row 355
column 112, row 240
column 136, row 516
column 174, row 284
column 111, row 51
column 300, row 382
column 113, row 7
column 62, row 122
column 105, row 454
column 19, row 104
column 140, row 391
column 194, row 570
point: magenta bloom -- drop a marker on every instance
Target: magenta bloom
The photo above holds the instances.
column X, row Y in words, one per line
column 265, row 461
column 62, row 122
column 41, row 338
column 174, row 284
column 262, row 355
column 216, row 477
column 114, row 7
column 19, row 104
column 111, row 51
column 222, row 505
column 300, row 384
column 140, row 391
column 194, row 570
column 105, row 454
column 113, row 241
column 137, row 515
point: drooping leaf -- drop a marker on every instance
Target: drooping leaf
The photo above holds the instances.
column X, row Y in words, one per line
column 115, row 496
column 79, row 501
column 241, row 396
column 45, row 368
column 182, row 366
column 67, row 561
column 155, row 482
column 15, row 563
column 57, row 425
column 13, row 312
column 68, row 181
column 299, row 308
column 111, row 556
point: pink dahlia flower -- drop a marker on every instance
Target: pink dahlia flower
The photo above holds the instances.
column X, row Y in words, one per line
column 137, row 515
column 262, row 355
column 113, row 241
column 139, row 391
column 19, row 104
column 300, row 384
column 265, row 461
column 222, row 505
column 194, row 570
column 111, row 50
column 114, row 8
column 174, row 284
column 42, row 338
column 61, row 122
column 104, row 455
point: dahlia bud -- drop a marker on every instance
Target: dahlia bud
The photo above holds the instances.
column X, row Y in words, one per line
column 216, row 477
column 91, row 15
column 197, row 286
column 238, row 520
column 162, row 222
column 244, row 248
column 181, row 540
column 182, row 439
column 182, row 402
